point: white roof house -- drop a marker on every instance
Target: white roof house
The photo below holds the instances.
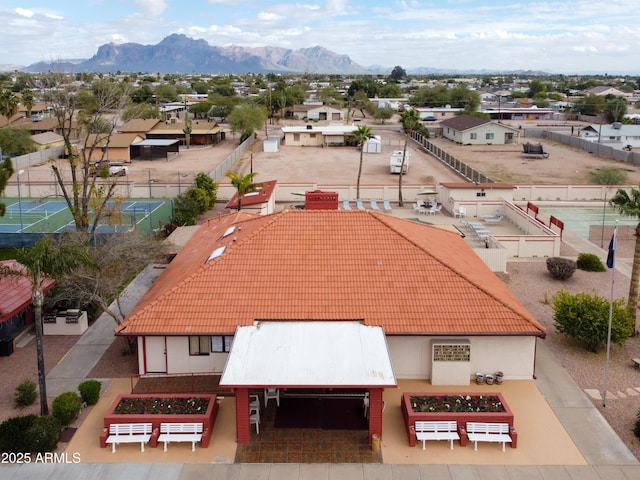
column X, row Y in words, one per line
column 615, row 134
column 317, row 135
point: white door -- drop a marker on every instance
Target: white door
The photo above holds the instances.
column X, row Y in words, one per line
column 156, row 354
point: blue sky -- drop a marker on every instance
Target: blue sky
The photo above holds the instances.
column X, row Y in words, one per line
column 555, row 36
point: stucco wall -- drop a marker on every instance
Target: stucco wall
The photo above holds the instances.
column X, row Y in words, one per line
column 411, row 356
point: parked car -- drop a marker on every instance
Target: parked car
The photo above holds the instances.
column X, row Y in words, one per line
column 430, row 118
column 116, row 169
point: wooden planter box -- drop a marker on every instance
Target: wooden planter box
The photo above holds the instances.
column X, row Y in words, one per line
column 411, row 417
column 208, row 418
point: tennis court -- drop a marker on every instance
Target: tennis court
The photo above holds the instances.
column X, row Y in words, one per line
column 53, row 216
column 580, row 219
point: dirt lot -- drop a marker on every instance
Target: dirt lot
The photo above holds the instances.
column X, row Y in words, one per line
column 339, row 165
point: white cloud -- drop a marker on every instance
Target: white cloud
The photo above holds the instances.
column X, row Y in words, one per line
column 269, row 16
column 153, row 8
column 24, row 13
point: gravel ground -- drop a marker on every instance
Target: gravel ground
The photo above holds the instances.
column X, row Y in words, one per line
column 532, row 284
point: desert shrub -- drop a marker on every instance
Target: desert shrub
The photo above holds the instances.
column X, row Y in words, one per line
column 609, row 176
column 561, row 268
column 585, row 318
column 26, row 393
column 13, row 433
column 189, row 205
column 636, row 429
column 44, row 434
column 65, row 407
column 590, row 262
column 90, row 391
column 29, row 433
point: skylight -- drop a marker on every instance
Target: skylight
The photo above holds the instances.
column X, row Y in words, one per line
column 229, row 231
column 216, row 253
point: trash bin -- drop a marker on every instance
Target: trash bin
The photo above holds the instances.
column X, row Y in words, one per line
column 375, row 442
column 6, row 346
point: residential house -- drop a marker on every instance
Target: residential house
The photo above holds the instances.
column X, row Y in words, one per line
column 244, row 282
column 604, row 90
column 114, row 148
column 437, row 113
column 318, row 135
column 202, row 132
column 317, row 112
column 467, row 129
column 139, row 126
column 47, row 140
column 617, row 134
column 514, row 112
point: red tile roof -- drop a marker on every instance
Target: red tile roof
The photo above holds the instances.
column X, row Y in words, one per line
column 260, row 196
column 15, row 291
column 407, row 277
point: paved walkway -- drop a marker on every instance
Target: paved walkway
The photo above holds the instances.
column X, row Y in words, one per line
column 607, row 456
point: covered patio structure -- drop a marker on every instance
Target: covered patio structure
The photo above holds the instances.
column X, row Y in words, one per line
column 154, row 149
column 289, row 355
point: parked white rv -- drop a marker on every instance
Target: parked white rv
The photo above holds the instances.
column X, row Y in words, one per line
column 395, row 163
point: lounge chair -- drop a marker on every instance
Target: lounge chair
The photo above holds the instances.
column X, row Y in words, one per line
column 387, row 206
column 374, row 205
column 497, row 219
column 360, row 205
column 495, row 214
column 345, row 205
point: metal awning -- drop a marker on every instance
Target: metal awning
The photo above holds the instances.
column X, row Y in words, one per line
column 156, row 143
column 337, row 354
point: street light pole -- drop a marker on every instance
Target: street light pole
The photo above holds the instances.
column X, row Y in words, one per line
column 20, row 172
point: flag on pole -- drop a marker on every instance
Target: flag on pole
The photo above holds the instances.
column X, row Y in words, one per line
column 612, row 248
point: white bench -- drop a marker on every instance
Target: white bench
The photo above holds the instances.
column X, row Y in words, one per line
column 180, row 432
column 129, row 433
column 436, row 431
column 488, row 432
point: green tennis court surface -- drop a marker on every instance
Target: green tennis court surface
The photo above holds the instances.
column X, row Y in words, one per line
column 53, row 216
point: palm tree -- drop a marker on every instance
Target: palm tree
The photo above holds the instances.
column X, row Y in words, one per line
column 8, row 104
column 628, row 204
column 39, row 265
column 409, row 119
column 361, row 135
column 244, row 184
column 28, row 101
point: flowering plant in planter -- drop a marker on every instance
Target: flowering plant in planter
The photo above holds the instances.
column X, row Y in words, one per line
column 162, row 405
column 456, row 403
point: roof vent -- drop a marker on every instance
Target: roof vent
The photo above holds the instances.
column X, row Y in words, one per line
column 617, row 125
column 309, row 127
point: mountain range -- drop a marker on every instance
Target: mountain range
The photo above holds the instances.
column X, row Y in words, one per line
column 181, row 54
